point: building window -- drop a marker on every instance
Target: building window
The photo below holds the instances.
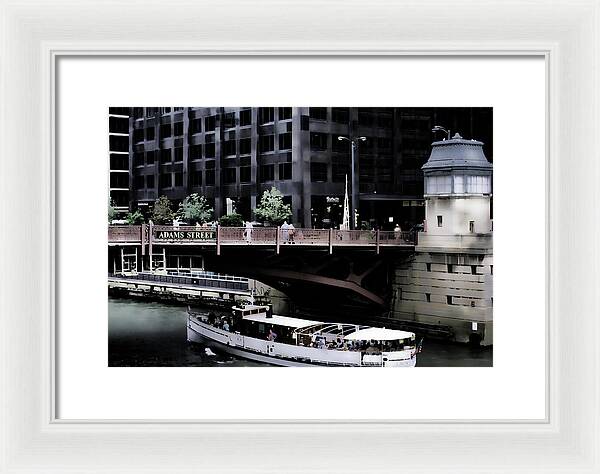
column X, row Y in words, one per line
column 473, row 269
column 339, row 173
column 210, row 177
column 318, row 113
column 165, row 110
column 229, row 120
column 266, row 115
column 178, row 129
column 165, row 155
column 285, row 141
column 196, row 178
column 285, row 171
column 340, row 114
column 165, row 130
column 195, row 152
column 196, row 126
column 450, row 268
column 428, row 266
column 165, row 180
column 491, row 269
column 150, row 133
column 138, row 159
column 245, row 117
column 267, row 173
column 318, row 141
column 150, row 181
column 318, row 172
column 210, row 123
column 285, row 113
column 138, row 183
column 439, row 221
column 339, row 146
column 245, row 146
column 471, row 227
column 138, row 135
column 428, row 297
column 209, row 150
column 179, row 154
column 150, row 157
column 448, row 299
column 245, row 174
column 178, row 179
column 229, row 147
column 266, row 143
column 229, row 175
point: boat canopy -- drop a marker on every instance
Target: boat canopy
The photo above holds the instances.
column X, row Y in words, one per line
column 278, row 320
column 378, row 334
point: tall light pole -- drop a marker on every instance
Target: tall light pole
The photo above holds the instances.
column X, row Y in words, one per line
column 439, row 128
column 353, row 146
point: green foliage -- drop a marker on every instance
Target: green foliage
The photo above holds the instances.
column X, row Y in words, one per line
column 272, row 209
column 112, row 212
column 194, row 208
column 232, row 220
column 135, row 218
column 162, row 212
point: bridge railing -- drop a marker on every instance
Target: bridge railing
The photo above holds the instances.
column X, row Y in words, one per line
column 256, row 235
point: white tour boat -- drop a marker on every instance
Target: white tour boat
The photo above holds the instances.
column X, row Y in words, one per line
column 253, row 332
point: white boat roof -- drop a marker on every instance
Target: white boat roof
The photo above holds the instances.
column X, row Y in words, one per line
column 279, row 320
column 378, row 334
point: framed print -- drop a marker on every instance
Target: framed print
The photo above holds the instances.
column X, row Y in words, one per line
column 399, row 197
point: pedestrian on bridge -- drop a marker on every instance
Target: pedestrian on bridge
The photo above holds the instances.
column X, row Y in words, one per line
column 248, row 231
column 285, row 235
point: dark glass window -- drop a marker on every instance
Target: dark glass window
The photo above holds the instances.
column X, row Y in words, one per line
column 165, row 180
column 340, row 114
column 178, row 129
column 178, row 179
column 318, row 172
column 196, row 125
column 285, row 113
column 229, row 148
column 267, row 173
column 209, row 150
column 210, row 177
column 285, row 141
column 229, row 120
column 138, row 135
column 266, row 143
column 245, row 146
column 339, row 146
column 229, row 175
column 165, row 130
column 245, row 174
column 179, row 153
column 285, row 171
column 318, row 113
column 210, row 123
column 138, row 159
column 150, row 157
column 138, row 182
column 150, row 181
column 196, row 178
column 318, row 141
column 266, row 114
column 195, row 152
column 150, row 133
column 245, row 117
column 165, row 155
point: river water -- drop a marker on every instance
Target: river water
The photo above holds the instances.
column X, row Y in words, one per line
column 145, row 333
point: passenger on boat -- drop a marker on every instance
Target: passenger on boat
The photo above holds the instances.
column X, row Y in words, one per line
column 225, row 326
column 272, row 335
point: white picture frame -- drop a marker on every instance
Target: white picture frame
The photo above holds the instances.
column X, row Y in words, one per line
column 34, row 35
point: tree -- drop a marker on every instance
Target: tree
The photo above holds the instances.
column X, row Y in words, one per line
column 232, row 220
column 112, row 212
column 194, row 208
column 135, row 218
column 162, row 212
column 272, row 209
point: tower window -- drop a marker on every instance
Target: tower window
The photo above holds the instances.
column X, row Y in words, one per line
column 428, row 266
column 450, row 268
column 449, row 299
column 471, row 226
column 439, row 221
column 428, row 297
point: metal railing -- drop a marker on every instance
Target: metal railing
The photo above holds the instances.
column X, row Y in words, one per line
column 207, row 281
column 275, row 236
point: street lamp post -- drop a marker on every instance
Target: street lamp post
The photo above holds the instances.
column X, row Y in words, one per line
column 354, row 201
column 439, row 128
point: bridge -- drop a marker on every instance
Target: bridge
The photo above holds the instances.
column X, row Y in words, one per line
column 339, row 268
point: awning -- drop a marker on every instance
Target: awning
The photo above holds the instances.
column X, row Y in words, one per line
column 378, row 334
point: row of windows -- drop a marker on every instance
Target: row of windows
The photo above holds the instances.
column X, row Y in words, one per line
column 458, row 184
column 167, row 180
column 320, row 142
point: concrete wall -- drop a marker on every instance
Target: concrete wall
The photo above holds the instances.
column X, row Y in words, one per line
column 456, row 214
column 450, row 289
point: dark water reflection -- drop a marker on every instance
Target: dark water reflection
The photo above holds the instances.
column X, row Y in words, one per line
column 150, row 334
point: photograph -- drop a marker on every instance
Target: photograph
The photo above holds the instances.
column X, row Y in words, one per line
column 300, row 237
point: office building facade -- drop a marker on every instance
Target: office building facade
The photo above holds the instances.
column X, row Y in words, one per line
column 239, row 152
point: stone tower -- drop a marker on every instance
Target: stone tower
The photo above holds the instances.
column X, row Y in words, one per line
column 449, row 281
